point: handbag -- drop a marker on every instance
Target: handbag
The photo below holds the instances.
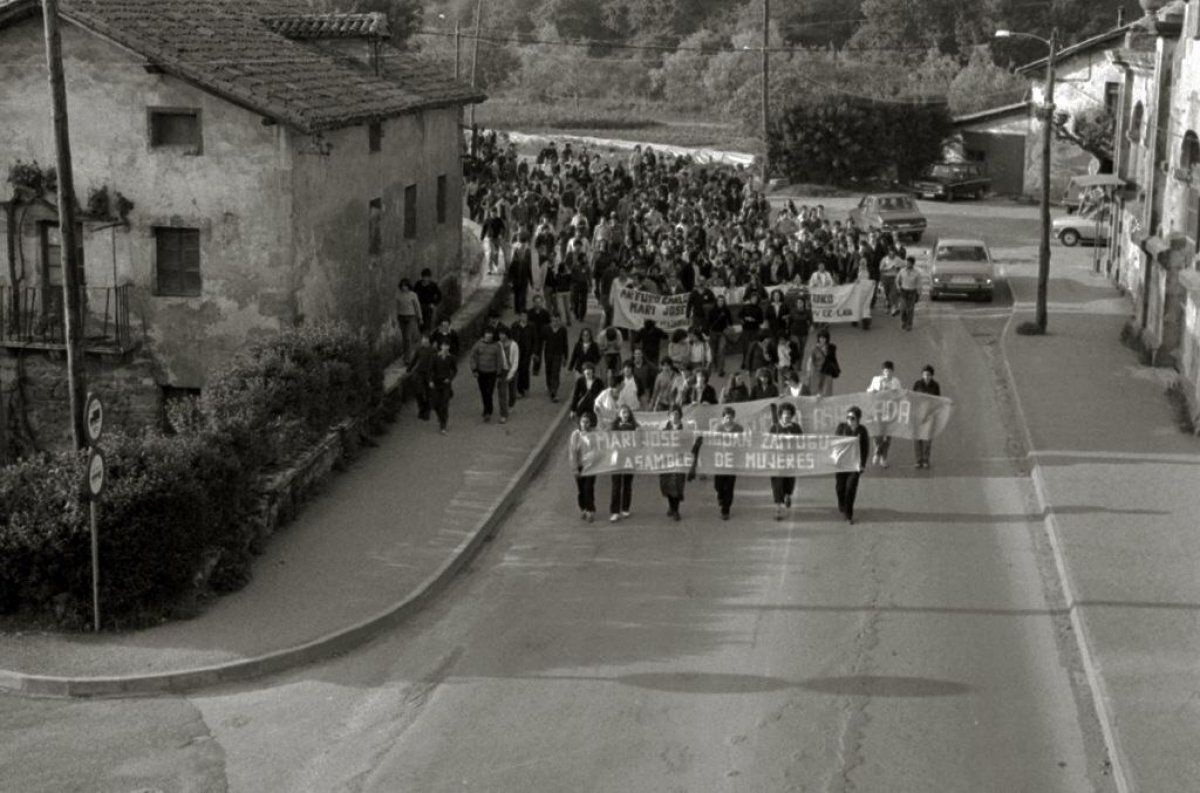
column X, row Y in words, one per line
column 831, row 367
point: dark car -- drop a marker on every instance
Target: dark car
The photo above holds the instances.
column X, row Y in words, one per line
column 894, row 212
column 951, row 180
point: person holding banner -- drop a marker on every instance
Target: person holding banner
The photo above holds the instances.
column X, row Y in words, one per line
column 622, row 484
column 672, row 484
column 724, row 485
column 782, row 487
column 846, row 482
column 886, row 380
column 926, row 385
column 582, row 445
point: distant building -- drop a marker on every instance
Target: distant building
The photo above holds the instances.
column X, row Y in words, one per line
column 283, row 167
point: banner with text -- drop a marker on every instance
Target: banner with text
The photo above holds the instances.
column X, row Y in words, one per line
column 717, row 453
column 900, row 414
column 632, row 307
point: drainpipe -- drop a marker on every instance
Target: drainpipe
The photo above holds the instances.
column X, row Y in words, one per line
column 1162, row 90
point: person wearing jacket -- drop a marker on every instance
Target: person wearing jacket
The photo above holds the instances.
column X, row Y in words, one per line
column 787, row 357
column 525, row 336
column 419, row 374
column 443, row 368
column 735, row 390
column 447, row 334
column 662, row 395
column 490, row 366
column 554, row 354
column 697, row 351
column 622, row 484
column 846, row 482
column 610, row 350
column 581, row 446
column 823, row 366
column 699, row 392
column 672, row 485
column 644, row 373
column 752, row 320
column 886, row 380
column 720, row 318
column 777, row 314
column 926, row 385
column 650, row 339
column 764, row 386
column 782, row 487
column 762, row 354
column 585, row 351
column 587, row 388
column 512, row 354
column 520, row 271
column 724, row 484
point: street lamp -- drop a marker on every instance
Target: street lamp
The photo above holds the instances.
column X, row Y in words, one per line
column 1047, row 139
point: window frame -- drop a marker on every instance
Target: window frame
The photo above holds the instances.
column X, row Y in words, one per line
column 375, row 137
column 161, row 290
column 411, row 196
column 375, row 227
column 192, row 149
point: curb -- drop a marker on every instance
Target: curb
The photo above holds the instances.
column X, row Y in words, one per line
column 322, row 648
column 1091, row 665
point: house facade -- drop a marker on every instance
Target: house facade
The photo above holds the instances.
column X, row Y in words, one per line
column 273, row 167
column 1156, row 239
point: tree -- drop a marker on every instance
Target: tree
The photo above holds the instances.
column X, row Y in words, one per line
column 1092, row 130
column 903, row 30
column 819, row 23
column 404, row 16
column 983, row 84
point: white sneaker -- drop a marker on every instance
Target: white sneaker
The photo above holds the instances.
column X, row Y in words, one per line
column 625, row 514
column 615, row 517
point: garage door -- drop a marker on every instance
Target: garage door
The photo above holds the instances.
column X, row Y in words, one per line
column 1005, row 158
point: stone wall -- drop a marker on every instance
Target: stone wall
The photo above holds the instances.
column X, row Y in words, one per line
column 34, row 393
column 1189, row 348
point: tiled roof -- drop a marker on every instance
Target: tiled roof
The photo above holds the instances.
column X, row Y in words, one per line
column 330, row 26
column 226, row 48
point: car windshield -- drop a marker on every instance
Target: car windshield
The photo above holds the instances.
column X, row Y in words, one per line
column 892, row 203
column 961, row 253
column 944, row 171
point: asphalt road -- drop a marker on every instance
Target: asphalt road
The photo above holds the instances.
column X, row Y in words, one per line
column 922, row 649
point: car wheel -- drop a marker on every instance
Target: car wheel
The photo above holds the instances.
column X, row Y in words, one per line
column 1069, row 237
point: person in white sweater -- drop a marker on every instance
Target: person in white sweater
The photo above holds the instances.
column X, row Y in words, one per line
column 886, row 380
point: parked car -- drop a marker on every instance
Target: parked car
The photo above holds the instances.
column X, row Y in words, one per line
column 962, row 267
column 951, row 180
column 894, row 212
column 1092, row 225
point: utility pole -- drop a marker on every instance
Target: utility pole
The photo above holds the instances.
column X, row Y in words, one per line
column 457, row 46
column 1043, row 283
column 72, row 315
column 766, row 93
column 475, row 58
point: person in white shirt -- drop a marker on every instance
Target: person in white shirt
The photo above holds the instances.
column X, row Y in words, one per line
column 512, row 354
column 821, row 278
column 609, row 403
column 886, row 380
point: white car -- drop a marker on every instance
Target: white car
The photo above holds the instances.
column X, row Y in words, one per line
column 1090, row 226
column 961, row 267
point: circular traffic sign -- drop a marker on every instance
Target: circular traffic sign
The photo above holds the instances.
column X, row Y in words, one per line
column 93, row 418
column 95, row 474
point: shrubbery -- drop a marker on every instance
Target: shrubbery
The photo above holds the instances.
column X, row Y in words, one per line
column 177, row 507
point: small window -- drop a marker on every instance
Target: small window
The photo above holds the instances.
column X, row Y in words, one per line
column 375, row 136
column 410, row 212
column 441, row 199
column 1112, row 95
column 375, row 226
column 1189, row 163
column 176, row 129
column 1135, row 123
column 177, row 262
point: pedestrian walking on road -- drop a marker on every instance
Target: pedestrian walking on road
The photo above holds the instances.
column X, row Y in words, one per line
column 430, row 296
column 525, row 335
column 587, row 388
column 554, row 354
column 585, row 351
column 447, row 334
column 847, row 481
column 419, row 375
column 672, row 485
column 490, row 367
column 722, row 483
column 622, row 484
column 926, row 385
column 512, row 357
column 580, row 448
column 823, row 366
column 908, row 283
column 442, row 371
column 783, row 487
column 408, row 317
column 886, row 380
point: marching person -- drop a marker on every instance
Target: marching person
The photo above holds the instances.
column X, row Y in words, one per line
column 582, row 444
column 622, row 484
column 585, row 351
column 512, row 354
column 446, row 333
column 908, row 283
column 735, row 390
column 442, row 371
column 525, row 336
column 724, row 484
column 782, row 487
column 700, row 392
column 847, row 481
column 587, row 388
column 408, row 318
column 520, row 271
column 823, row 366
column 419, row 371
column 554, row 354
column 764, row 386
column 490, row 367
column 430, row 296
column 886, row 380
column 672, row 484
column 926, row 385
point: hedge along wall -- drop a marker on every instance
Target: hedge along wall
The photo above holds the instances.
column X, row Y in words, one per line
column 177, row 508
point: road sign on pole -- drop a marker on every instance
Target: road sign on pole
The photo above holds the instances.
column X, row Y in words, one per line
column 93, row 419
column 95, row 485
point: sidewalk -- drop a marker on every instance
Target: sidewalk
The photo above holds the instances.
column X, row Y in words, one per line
column 1121, row 483
column 382, row 537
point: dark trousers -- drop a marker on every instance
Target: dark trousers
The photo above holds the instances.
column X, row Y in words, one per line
column 586, row 485
column 673, row 503
column 622, row 493
column 922, row 449
column 724, row 486
column 883, row 444
column 908, row 307
column 510, row 388
column 782, row 487
column 422, row 396
column 749, row 339
column 489, row 384
column 441, row 405
column 553, row 364
column 519, row 296
column 427, row 316
column 847, row 491
column 579, row 302
column 522, row 380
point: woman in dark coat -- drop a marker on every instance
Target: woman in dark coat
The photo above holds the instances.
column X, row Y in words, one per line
column 622, row 484
column 672, row 485
column 585, row 351
column 782, row 487
column 847, row 481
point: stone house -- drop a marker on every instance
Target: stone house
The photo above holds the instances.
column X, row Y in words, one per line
column 282, row 166
column 1157, row 235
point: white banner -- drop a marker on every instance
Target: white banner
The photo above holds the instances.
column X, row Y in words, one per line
column 632, row 307
column 846, row 303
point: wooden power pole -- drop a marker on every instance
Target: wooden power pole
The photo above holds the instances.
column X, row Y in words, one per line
column 475, row 57
column 766, row 93
column 72, row 314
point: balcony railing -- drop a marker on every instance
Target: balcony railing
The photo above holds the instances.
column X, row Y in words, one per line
column 32, row 317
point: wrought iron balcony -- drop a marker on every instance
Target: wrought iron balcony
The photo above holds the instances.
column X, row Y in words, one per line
column 31, row 317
